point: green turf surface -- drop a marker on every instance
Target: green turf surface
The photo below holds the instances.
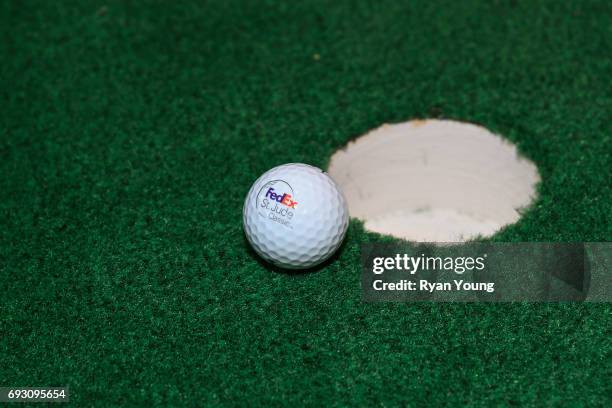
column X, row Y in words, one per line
column 131, row 131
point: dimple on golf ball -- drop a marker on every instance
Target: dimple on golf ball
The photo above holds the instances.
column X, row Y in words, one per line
column 295, row 216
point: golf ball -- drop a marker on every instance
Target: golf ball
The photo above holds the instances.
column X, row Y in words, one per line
column 295, row 216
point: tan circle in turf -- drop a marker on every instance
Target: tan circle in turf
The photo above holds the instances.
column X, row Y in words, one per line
column 434, row 180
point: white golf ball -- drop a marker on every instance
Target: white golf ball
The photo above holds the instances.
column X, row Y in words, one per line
column 295, row 216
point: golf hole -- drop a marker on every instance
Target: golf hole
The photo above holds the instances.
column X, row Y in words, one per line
column 434, row 181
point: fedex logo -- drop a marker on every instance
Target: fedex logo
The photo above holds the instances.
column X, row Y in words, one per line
column 284, row 199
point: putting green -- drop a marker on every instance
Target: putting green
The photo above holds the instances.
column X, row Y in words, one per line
column 131, row 131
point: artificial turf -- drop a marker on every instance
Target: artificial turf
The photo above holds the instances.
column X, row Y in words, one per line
column 131, row 131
